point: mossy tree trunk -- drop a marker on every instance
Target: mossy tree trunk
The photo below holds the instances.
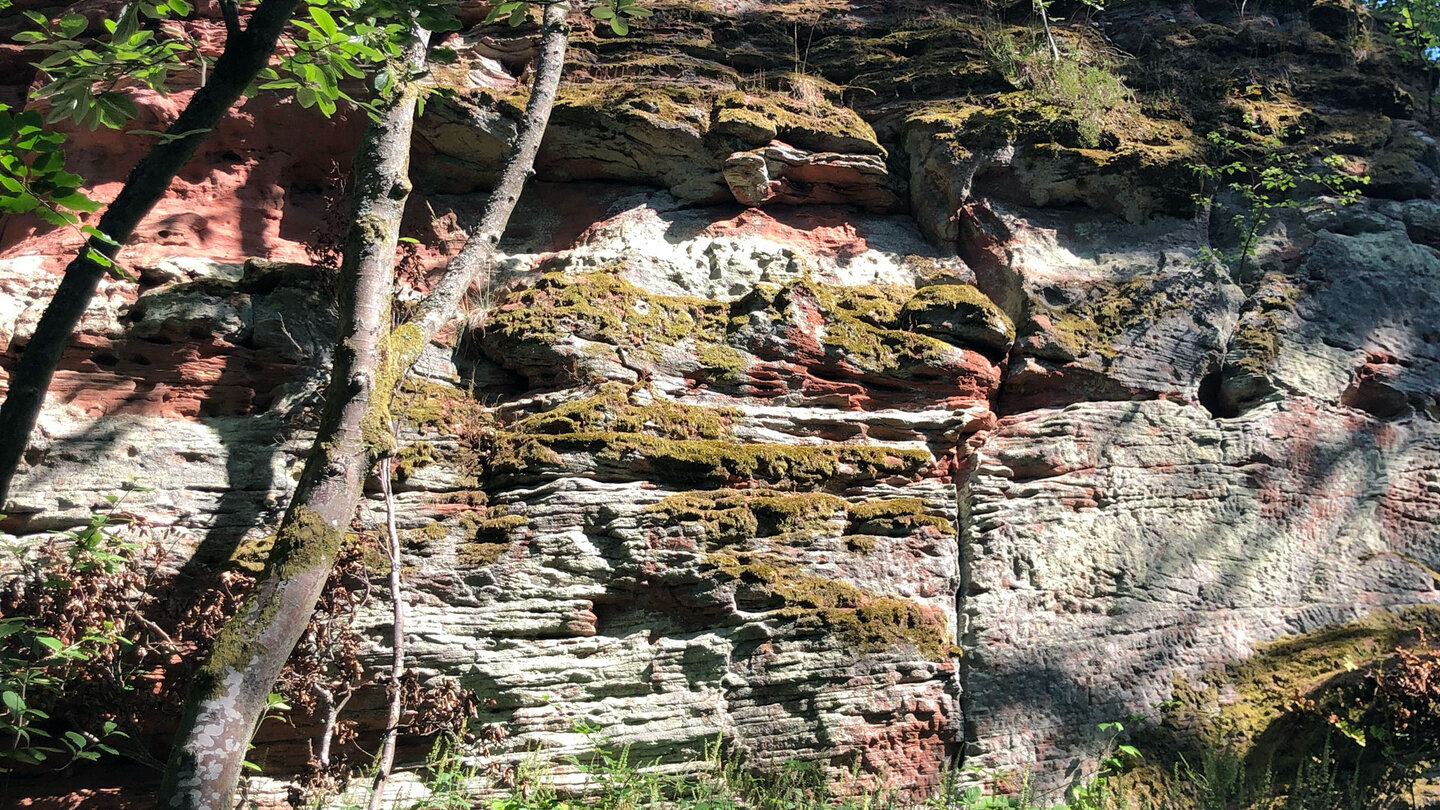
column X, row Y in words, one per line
column 246, row 53
column 232, row 688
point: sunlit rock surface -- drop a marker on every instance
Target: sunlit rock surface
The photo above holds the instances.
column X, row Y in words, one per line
column 859, row 414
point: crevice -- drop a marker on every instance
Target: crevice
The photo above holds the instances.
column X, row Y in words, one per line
column 1211, row 394
column 965, row 466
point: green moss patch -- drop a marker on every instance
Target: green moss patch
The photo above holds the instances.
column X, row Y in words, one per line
column 1095, row 324
column 617, row 408
column 803, row 117
column 895, row 517
column 1274, row 706
column 704, row 462
column 959, row 313
column 866, row 622
column 600, row 306
column 738, row 516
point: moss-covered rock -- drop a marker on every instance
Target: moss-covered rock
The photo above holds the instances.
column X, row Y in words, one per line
column 894, row 517
column 803, row 117
column 1273, row 709
column 618, row 408
column 866, row 622
column 738, row 516
column 959, row 313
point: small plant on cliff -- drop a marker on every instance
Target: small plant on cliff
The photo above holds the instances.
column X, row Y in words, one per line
column 1264, row 177
column 1082, row 81
column 1417, row 25
column 71, row 621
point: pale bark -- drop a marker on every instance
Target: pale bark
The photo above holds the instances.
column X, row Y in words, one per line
column 246, row 53
column 230, row 690
column 252, row 648
column 397, row 641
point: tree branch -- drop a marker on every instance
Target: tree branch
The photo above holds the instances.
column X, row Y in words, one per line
column 440, row 305
column 243, row 58
column 397, row 640
column 230, row 10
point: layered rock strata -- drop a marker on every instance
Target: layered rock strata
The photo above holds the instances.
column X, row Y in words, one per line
column 868, row 416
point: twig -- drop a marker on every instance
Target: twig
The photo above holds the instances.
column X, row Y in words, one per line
column 332, row 718
column 397, row 665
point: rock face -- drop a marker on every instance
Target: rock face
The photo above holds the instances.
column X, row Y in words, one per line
column 874, row 416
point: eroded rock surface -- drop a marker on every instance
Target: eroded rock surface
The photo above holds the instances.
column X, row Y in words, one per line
column 874, row 414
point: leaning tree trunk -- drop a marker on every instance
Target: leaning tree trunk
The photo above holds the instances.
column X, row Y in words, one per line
column 231, row 689
column 230, row 692
column 246, row 53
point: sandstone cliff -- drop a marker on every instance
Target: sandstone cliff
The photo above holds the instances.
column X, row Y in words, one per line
column 843, row 397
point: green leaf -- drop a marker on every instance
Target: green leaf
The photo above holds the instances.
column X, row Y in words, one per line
column 619, row 26
column 602, row 12
column 637, row 11
column 72, row 25
column 76, row 201
column 326, row 22
column 76, row 740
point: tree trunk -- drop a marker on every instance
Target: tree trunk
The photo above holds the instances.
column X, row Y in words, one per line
column 230, row 691
column 243, row 58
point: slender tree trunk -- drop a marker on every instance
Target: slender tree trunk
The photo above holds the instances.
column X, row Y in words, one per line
column 397, row 650
column 246, row 53
column 230, row 690
column 229, row 694
column 1045, row 23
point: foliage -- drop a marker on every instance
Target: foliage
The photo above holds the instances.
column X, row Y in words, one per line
column 79, row 626
column 345, row 41
column 87, row 77
column 1267, row 177
column 1416, row 24
column 1388, row 714
column 1087, row 86
column 33, row 179
column 615, row 13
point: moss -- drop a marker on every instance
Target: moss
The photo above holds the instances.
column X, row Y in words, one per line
column 738, row 516
column 861, row 323
column 481, row 555
column 614, row 409
column 414, row 457
column 803, row 117
column 960, row 311
column 601, row 306
column 440, row 407
column 1256, row 342
column 1263, row 698
column 859, row 329
column 250, row 555
column 862, row 544
column 866, row 622
column 638, row 100
column 306, row 542
column 722, row 462
column 498, row 528
column 1095, row 324
column 722, row 364
column 425, row 535
column 895, row 517
column 398, row 352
